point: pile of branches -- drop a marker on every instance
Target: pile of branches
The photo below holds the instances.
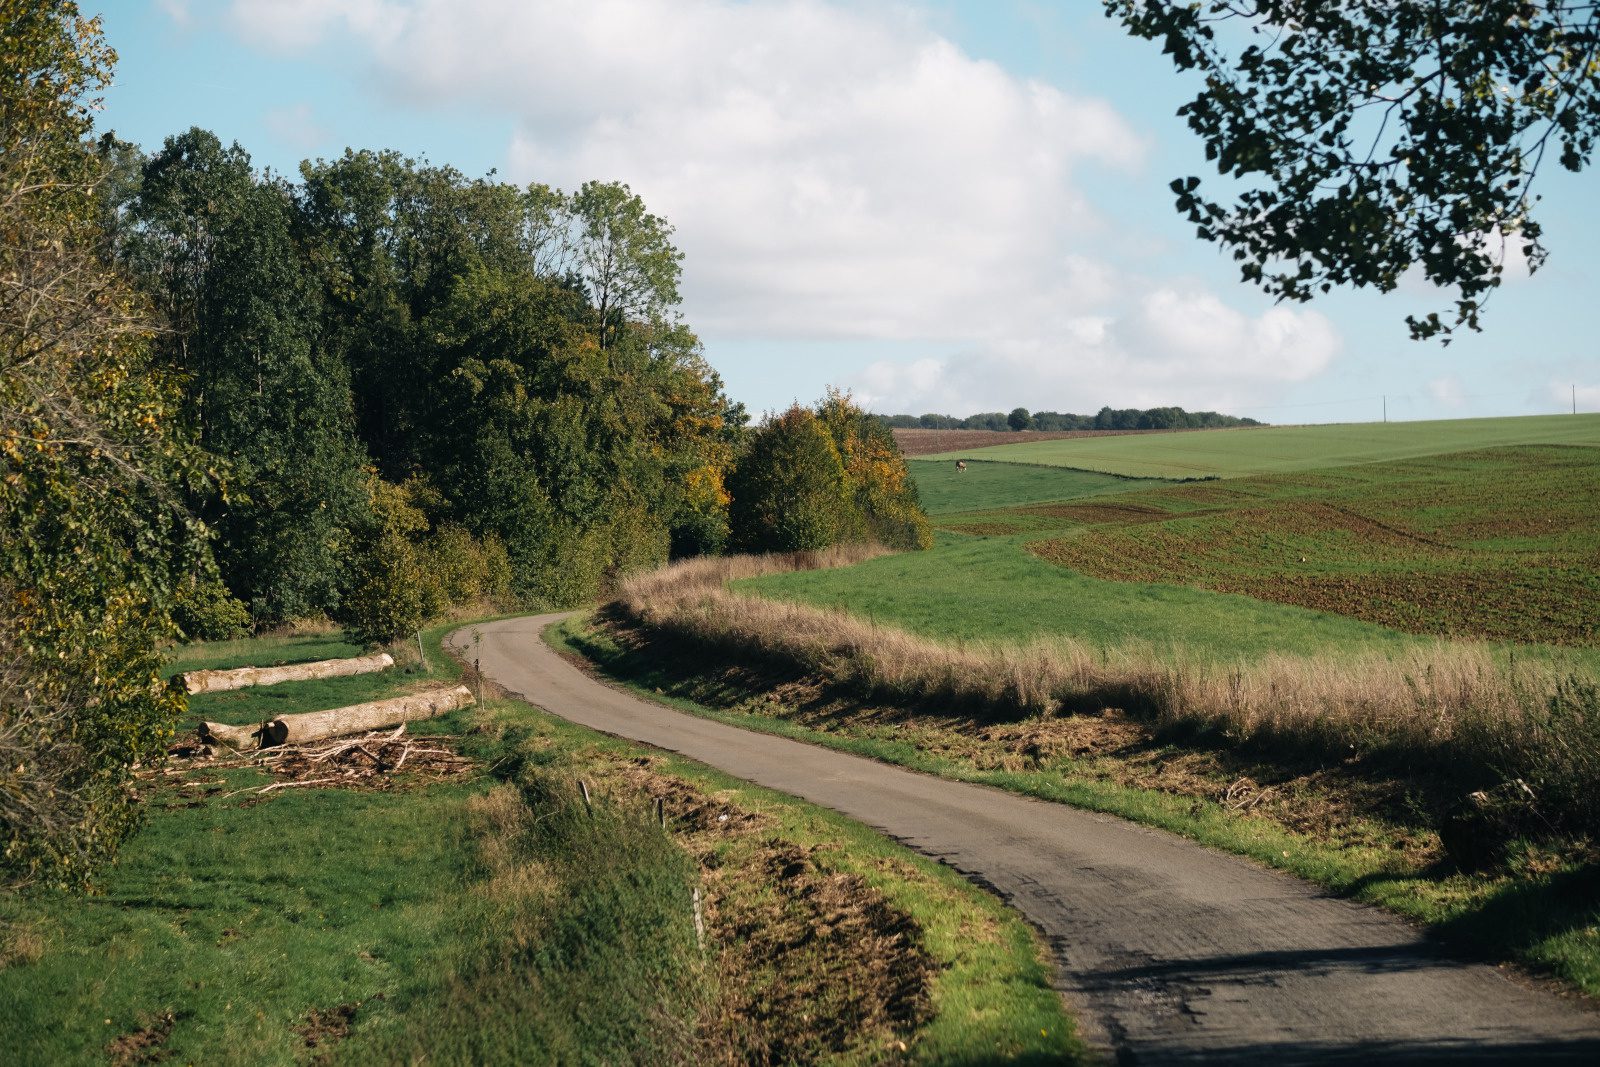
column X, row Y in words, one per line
column 376, row 760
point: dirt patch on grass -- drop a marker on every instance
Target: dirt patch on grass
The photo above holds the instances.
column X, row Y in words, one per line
column 327, row 1026
column 1100, row 514
column 1497, row 545
column 811, row 960
column 144, row 1045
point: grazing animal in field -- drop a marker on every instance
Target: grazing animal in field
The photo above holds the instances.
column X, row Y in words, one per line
column 961, row 465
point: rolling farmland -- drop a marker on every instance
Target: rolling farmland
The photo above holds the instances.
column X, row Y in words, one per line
column 1275, row 449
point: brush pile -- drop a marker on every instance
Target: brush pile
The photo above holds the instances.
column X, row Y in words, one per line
column 377, row 760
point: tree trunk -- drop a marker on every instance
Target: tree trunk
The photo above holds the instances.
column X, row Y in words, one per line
column 243, row 677
column 356, row 719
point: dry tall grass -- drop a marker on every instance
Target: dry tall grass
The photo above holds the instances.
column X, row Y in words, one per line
column 1445, row 701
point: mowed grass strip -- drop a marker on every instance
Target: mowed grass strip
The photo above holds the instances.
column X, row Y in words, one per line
column 491, row 920
column 1499, row 544
column 269, row 651
column 1236, row 453
column 945, row 489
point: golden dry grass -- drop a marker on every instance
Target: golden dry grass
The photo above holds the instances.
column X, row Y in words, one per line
column 1427, row 698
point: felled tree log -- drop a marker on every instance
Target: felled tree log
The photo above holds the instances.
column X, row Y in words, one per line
column 356, row 719
column 243, row 677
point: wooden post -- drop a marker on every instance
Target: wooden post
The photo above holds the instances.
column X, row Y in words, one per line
column 477, row 679
column 661, row 812
column 588, row 804
column 699, row 921
column 421, row 655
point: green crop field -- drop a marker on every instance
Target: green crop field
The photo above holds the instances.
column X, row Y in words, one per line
column 1499, row 544
column 994, row 589
column 1272, row 449
column 945, row 489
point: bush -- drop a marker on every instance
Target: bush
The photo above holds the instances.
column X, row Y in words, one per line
column 206, row 611
column 881, row 498
column 788, row 488
column 387, row 588
column 460, row 571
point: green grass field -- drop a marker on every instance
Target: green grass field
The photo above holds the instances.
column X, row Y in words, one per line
column 944, row 489
column 1243, row 452
column 994, row 589
column 1498, row 545
column 346, row 926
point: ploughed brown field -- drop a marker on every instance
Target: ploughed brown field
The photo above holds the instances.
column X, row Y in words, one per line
column 917, row 442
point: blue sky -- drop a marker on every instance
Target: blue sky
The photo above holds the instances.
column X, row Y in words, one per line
column 944, row 206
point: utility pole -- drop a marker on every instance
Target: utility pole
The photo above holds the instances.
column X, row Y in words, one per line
column 1574, row 398
column 1386, row 407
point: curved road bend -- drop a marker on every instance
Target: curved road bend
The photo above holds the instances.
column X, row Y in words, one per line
column 1166, row 951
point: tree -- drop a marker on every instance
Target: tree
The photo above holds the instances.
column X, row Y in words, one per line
column 624, row 255
column 1374, row 136
column 881, row 502
column 1019, row 419
column 788, row 489
column 94, row 540
column 216, row 247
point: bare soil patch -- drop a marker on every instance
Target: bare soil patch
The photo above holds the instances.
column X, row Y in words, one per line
column 914, row 442
column 144, row 1045
column 811, row 960
column 328, row 1026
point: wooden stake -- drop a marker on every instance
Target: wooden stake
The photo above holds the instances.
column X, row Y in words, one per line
column 699, row 921
column 421, row 655
column 587, row 803
column 661, row 812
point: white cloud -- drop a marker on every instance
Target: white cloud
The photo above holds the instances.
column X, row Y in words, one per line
column 836, row 173
column 177, row 10
column 1169, row 348
column 1447, row 392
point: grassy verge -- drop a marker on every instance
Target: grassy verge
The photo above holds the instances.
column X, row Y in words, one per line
column 1350, row 827
column 497, row 917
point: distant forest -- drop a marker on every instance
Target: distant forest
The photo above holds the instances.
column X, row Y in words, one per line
column 1107, row 418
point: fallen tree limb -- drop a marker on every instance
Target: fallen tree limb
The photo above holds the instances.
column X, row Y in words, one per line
column 244, row 677
column 339, row 722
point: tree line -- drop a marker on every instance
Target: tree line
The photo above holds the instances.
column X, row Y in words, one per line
column 1107, row 418
column 379, row 392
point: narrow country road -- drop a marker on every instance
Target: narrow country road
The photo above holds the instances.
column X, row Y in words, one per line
column 1167, row 952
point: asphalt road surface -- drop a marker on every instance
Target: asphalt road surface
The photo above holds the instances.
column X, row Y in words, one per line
column 1167, row 952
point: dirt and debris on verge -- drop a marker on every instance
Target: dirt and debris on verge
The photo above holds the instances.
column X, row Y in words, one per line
column 1349, row 804
column 378, row 760
column 811, row 961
